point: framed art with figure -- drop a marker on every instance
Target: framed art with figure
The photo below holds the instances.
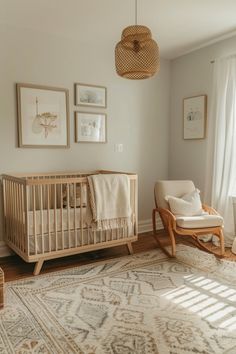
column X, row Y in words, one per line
column 43, row 116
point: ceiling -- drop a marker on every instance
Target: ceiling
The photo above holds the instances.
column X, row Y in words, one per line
column 178, row 26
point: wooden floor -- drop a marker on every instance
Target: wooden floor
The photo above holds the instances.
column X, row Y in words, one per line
column 15, row 268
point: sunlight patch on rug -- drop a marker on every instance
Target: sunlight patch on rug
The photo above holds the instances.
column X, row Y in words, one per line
column 207, row 298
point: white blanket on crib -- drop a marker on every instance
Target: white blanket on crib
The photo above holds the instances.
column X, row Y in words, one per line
column 110, row 200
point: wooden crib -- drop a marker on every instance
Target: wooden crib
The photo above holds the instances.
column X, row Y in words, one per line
column 45, row 216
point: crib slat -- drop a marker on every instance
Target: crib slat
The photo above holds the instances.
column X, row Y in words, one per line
column 21, row 192
column 9, row 209
column 68, row 213
column 41, row 213
column 135, row 228
column 75, row 223
column 88, row 231
column 61, row 211
column 27, row 233
column 81, row 214
column 18, row 208
column 49, row 218
column 5, row 203
column 22, row 217
column 34, row 222
column 19, row 216
column 55, row 217
column 15, row 214
column 12, row 213
column 5, row 208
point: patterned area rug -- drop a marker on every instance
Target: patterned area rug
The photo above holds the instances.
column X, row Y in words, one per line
column 142, row 304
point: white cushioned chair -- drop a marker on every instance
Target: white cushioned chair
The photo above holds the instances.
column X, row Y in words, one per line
column 207, row 222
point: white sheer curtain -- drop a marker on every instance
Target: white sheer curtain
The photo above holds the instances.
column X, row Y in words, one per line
column 221, row 159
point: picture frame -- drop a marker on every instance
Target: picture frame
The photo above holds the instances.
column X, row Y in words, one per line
column 90, row 95
column 90, row 127
column 194, row 117
column 43, row 116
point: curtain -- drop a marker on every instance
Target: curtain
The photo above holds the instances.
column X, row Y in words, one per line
column 221, row 159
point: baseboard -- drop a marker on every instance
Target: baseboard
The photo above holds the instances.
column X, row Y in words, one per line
column 146, row 225
column 5, row 251
column 143, row 226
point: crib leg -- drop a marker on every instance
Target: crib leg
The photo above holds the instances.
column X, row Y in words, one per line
column 130, row 248
column 38, row 267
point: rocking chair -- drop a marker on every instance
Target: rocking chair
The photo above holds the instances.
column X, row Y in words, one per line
column 209, row 222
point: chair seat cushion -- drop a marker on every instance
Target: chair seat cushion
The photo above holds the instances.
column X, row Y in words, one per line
column 199, row 222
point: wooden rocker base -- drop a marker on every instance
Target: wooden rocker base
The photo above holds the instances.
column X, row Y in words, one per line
column 172, row 254
column 169, row 222
column 163, row 248
column 204, row 248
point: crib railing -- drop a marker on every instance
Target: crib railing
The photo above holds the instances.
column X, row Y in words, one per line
column 63, row 215
column 15, row 206
column 47, row 216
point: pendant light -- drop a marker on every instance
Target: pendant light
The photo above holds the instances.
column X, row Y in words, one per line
column 137, row 54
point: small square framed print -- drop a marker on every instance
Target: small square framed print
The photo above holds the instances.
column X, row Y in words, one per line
column 90, row 95
column 90, row 127
column 194, row 116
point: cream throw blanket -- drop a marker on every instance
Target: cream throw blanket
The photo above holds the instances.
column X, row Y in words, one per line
column 109, row 200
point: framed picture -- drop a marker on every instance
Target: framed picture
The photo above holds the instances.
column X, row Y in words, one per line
column 195, row 111
column 90, row 95
column 43, row 116
column 90, row 127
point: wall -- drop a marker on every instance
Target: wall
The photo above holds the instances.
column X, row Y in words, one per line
column 137, row 113
column 191, row 75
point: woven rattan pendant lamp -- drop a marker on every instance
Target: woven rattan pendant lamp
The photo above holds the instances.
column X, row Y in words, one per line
column 137, row 54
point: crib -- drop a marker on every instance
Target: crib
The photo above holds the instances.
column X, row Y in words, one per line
column 45, row 216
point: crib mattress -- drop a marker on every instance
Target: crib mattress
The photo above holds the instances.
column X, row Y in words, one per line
column 69, row 239
column 38, row 221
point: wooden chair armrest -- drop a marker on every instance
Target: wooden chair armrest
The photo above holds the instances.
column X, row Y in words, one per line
column 167, row 217
column 166, row 212
column 209, row 210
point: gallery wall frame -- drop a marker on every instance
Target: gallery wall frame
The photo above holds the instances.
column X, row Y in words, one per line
column 194, row 117
column 90, row 127
column 43, row 116
column 87, row 95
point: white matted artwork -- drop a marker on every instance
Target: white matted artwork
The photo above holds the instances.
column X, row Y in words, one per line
column 90, row 127
column 43, row 116
column 194, row 111
column 90, row 95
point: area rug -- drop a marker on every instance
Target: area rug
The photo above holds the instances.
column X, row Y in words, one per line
column 142, row 304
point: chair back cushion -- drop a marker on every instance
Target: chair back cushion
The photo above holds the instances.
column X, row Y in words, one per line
column 173, row 188
column 188, row 205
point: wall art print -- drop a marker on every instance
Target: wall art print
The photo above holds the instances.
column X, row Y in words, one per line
column 43, row 116
column 90, row 95
column 194, row 115
column 90, row 127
